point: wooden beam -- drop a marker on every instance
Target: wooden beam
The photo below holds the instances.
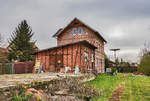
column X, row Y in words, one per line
column 94, row 61
column 56, row 61
column 72, row 57
column 67, row 57
column 62, row 56
column 45, row 60
column 58, row 54
column 76, row 55
column 80, row 55
column 49, row 60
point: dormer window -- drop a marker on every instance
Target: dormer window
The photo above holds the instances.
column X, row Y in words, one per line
column 74, row 31
column 80, row 30
column 86, row 31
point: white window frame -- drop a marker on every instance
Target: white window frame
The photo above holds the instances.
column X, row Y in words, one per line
column 80, row 30
column 74, row 31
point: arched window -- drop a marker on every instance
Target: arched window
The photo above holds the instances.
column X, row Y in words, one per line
column 80, row 30
column 74, row 31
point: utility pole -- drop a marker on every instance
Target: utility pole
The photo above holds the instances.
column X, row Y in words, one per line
column 115, row 50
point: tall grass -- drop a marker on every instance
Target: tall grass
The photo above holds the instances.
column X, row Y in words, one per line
column 137, row 89
column 107, row 84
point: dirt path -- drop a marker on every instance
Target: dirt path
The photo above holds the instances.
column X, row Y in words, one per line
column 117, row 93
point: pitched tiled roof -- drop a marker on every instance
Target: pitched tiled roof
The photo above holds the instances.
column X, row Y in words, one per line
column 62, row 29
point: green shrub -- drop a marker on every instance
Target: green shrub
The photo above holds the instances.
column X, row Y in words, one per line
column 144, row 66
column 114, row 70
column 21, row 97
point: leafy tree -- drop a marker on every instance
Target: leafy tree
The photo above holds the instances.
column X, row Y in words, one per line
column 117, row 62
column 20, row 45
column 144, row 66
column 106, row 62
column 121, row 60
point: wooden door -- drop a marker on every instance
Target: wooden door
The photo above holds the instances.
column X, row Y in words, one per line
column 52, row 63
column 56, row 62
column 59, row 62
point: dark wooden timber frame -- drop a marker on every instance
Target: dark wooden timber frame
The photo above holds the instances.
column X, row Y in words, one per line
column 80, row 54
column 67, row 56
column 71, row 56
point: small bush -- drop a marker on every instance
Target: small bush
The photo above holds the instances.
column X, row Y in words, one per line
column 114, row 70
column 144, row 66
column 21, row 97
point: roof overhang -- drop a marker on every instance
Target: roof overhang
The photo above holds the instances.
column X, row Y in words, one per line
column 84, row 42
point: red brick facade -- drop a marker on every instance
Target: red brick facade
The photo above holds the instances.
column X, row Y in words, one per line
column 66, row 36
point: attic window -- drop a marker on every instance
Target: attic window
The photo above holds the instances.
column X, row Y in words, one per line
column 80, row 30
column 74, row 31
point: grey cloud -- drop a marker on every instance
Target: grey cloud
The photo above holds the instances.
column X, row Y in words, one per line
column 131, row 17
column 110, row 8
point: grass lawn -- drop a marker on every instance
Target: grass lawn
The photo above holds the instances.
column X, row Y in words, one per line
column 136, row 88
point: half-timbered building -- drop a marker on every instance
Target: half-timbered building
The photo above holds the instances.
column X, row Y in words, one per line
column 77, row 45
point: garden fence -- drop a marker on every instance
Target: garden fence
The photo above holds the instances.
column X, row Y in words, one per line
column 16, row 67
column 7, row 68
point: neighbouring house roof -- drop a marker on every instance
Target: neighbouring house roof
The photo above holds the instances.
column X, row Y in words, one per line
column 3, row 55
column 3, row 49
column 134, row 64
column 111, row 62
column 61, row 46
column 62, row 29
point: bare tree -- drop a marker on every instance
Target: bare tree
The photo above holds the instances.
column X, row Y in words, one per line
column 2, row 44
column 0, row 40
column 145, row 50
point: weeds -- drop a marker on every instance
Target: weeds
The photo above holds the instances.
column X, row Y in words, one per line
column 21, row 97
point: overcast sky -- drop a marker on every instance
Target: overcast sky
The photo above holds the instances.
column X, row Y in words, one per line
column 125, row 24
